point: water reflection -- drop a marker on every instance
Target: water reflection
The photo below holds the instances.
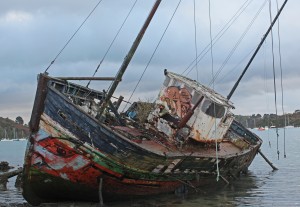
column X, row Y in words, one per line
column 260, row 187
column 238, row 192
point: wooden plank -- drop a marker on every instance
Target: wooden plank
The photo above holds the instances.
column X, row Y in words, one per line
column 87, row 78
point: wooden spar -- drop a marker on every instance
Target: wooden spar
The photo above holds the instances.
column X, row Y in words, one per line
column 87, row 78
column 189, row 114
column 266, row 159
column 5, row 176
column 128, row 58
column 38, row 106
column 115, row 111
column 256, row 51
column 118, row 104
column 10, row 174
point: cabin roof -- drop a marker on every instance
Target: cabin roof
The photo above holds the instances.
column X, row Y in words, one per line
column 208, row 92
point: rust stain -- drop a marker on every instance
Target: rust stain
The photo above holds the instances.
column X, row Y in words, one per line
column 177, row 100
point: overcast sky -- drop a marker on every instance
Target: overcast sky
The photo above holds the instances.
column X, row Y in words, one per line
column 32, row 33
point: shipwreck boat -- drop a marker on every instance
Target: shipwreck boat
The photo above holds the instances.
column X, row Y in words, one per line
column 70, row 150
column 80, row 145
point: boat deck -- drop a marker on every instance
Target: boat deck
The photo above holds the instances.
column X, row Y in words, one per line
column 225, row 148
column 163, row 145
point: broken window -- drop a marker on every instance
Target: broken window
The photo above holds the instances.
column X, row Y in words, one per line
column 213, row 109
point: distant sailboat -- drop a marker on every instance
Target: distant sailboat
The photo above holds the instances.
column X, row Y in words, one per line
column 5, row 136
column 81, row 148
column 15, row 135
column 288, row 123
column 23, row 138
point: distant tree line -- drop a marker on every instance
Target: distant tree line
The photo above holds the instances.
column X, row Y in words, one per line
column 13, row 129
column 268, row 120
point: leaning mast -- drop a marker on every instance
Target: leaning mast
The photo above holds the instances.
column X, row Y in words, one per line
column 256, row 51
column 128, row 58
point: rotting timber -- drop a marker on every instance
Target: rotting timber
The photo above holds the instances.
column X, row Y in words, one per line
column 71, row 148
column 6, row 173
column 79, row 142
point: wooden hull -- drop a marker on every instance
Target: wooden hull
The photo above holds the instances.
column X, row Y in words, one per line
column 69, row 152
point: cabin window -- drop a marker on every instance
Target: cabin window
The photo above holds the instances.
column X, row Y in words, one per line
column 213, row 109
column 196, row 97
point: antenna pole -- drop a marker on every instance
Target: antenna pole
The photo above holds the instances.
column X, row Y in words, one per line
column 256, row 51
column 128, row 58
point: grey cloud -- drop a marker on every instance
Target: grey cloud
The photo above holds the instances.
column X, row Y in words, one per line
column 27, row 47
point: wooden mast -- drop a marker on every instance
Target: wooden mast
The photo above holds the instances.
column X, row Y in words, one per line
column 128, row 58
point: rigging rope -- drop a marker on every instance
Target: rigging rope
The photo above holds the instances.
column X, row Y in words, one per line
column 112, row 42
column 281, row 82
column 266, row 91
column 237, row 66
column 274, row 80
column 218, row 36
column 72, row 36
column 153, row 54
column 196, row 45
column 237, row 44
column 212, row 72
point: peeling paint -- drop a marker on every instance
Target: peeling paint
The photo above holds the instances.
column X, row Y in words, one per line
column 73, row 150
column 176, row 98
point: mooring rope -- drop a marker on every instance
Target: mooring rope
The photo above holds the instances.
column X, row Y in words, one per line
column 232, row 51
column 281, row 82
column 212, row 72
column 112, row 42
column 266, row 91
column 217, row 37
column 72, row 36
column 161, row 38
column 196, row 45
column 274, row 80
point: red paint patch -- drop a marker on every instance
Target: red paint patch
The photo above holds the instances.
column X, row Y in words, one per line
column 59, row 162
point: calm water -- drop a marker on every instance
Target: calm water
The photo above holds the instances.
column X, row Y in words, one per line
column 261, row 187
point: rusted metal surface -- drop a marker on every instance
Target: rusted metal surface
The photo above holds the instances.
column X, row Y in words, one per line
column 211, row 118
column 189, row 114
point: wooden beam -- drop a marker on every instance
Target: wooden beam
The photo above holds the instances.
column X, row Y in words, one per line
column 266, row 159
column 88, row 78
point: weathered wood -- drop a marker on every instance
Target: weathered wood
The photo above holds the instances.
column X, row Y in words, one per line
column 115, row 111
column 11, row 173
column 5, row 176
column 266, row 159
column 38, row 106
column 119, row 102
column 88, row 78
